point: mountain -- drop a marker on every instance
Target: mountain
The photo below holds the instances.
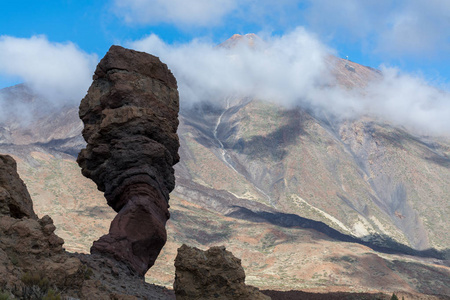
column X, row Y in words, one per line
column 308, row 201
column 247, row 40
column 364, row 177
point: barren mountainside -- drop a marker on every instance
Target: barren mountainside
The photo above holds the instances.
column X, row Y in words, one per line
column 299, row 195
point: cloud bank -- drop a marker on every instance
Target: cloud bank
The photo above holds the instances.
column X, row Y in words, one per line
column 409, row 100
column 294, row 69
column 399, row 98
column 285, row 69
column 60, row 73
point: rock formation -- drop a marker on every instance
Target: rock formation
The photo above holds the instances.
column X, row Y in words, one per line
column 34, row 265
column 211, row 274
column 28, row 245
column 130, row 117
column 15, row 201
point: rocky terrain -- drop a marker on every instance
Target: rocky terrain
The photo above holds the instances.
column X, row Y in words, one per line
column 34, row 265
column 307, row 201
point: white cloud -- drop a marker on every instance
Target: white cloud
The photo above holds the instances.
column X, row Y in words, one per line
column 179, row 12
column 408, row 100
column 420, row 28
column 389, row 28
column 286, row 69
column 394, row 28
column 234, row 14
column 293, row 70
column 60, row 73
column 348, row 19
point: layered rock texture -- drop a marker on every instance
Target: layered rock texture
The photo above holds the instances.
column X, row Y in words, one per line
column 34, row 265
column 130, row 117
column 211, row 274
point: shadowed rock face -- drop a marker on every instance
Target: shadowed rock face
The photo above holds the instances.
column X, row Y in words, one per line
column 15, row 200
column 130, row 117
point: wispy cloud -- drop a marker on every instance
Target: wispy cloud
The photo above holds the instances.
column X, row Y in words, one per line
column 409, row 100
column 61, row 73
column 293, row 69
column 178, row 12
column 394, row 28
column 285, row 70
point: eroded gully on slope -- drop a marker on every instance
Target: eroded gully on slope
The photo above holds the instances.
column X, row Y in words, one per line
column 226, row 157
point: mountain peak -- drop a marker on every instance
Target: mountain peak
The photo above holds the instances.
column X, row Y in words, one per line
column 250, row 39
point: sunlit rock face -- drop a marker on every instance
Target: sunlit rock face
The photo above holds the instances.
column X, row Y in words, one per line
column 28, row 245
column 130, row 117
column 212, row 274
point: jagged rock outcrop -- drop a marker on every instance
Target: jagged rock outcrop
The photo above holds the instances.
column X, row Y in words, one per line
column 28, row 245
column 211, row 274
column 130, row 117
column 33, row 263
column 15, row 201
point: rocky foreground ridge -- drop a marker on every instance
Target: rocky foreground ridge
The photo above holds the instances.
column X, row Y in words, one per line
column 34, row 265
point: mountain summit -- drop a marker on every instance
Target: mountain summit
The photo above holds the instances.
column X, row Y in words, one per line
column 250, row 39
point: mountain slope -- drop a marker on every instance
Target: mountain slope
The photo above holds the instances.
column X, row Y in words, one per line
column 250, row 171
column 364, row 177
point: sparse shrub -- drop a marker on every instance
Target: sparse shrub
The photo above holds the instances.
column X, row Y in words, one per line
column 52, row 295
column 86, row 272
column 37, row 279
column 37, row 287
column 14, row 259
column 4, row 295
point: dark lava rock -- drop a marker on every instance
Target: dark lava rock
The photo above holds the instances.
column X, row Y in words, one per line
column 130, row 117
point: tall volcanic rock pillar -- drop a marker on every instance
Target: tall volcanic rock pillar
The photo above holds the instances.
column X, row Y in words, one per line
column 130, row 117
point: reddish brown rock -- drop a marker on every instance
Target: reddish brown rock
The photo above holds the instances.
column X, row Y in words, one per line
column 34, row 265
column 15, row 201
column 28, row 245
column 212, row 274
column 130, row 117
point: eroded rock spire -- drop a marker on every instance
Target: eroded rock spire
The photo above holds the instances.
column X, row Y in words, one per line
column 130, row 117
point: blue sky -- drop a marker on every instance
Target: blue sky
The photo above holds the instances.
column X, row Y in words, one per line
column 413, row 35
column 54, row 46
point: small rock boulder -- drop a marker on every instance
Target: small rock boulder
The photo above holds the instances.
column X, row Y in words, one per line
column 212, row 274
